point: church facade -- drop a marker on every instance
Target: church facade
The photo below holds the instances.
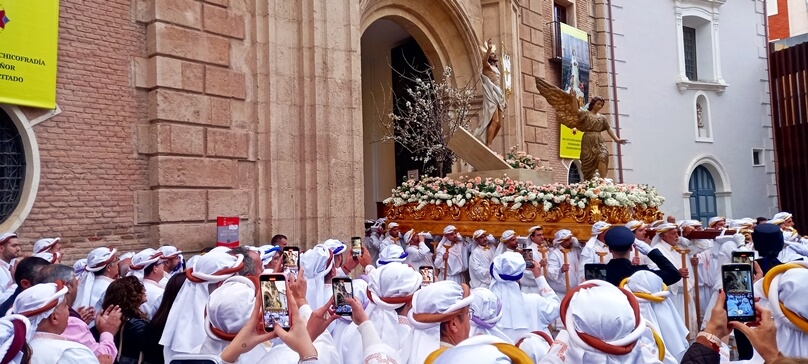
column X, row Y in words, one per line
column 176, row 112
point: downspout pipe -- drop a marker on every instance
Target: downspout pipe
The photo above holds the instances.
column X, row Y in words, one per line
column 614, row 93
column 769, row 50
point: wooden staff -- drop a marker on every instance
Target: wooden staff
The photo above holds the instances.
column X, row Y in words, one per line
column 637, row 255
column 601, row 255
column 696, row 289
column 684, row 285
column 567, row 273
column 543, row 250
column 446, row 260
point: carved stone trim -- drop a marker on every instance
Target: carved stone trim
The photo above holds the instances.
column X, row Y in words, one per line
column 718, row 87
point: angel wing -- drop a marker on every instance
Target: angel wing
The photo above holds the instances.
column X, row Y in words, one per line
column 565, row 105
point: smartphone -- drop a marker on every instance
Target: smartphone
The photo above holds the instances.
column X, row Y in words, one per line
column 743, row 257
column 291, row 259
column 196, row 359
column 740, row 303
column 427, row 275
column 356, row 246
column 595, row 271
column 273, row 301
column 528, row 255
column 342, row 287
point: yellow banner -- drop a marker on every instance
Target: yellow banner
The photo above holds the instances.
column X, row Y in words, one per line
column 574, row 77
column 29, row 37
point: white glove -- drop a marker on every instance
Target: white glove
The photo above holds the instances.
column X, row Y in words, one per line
column 798, row 248
column 642, row 246
column 721, row 239
column 740, row 240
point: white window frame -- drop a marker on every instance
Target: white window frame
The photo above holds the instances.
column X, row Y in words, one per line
column 762, row 154
column 707, row 10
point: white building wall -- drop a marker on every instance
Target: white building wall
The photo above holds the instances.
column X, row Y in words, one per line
column 798, row 17
column 659, row 120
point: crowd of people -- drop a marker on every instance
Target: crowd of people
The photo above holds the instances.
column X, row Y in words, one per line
column 653, row 295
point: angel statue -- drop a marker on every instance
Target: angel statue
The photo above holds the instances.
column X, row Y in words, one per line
column 492, row 114
column 594, row 156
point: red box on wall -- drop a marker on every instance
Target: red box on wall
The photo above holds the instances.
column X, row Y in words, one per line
column 227, row 231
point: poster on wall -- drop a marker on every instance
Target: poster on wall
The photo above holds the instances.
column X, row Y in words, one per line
column 29, row 37
column 574, row 78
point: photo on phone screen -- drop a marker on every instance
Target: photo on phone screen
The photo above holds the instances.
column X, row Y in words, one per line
column 528, row 255
column 737, row 279
column 595, row 271
column 343, row 287
column 356, row 246
column 273, row 301
column 291, row 259
column 427, row 274
column 743, row 257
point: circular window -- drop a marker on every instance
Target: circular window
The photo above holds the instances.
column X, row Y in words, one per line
column 12, row 166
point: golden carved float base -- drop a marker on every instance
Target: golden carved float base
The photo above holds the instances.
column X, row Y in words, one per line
column 496, row 218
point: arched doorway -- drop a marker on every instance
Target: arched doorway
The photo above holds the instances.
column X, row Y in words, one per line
column 400, row 35
column 703, row 204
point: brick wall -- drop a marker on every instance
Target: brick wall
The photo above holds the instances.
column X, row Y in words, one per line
column 778, row 24
column 542, row 132
column 89, row 167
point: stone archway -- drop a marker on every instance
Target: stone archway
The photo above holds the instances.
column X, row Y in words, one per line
column 445, row 32
column 723, row 191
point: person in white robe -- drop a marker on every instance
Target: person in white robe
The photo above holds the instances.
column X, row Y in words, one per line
column 390, row 293
column 347, row 338
column 793, row 250
column 480, row 260
column 666, row 240
column 535, row 241
column 480, row 349
column 700, row 258
column 175, row 262
column 184, row 331
column 228, row 309
column 147, row 265
column 102, row 269
column 535, row 344
column 452, row 257
column 393, row 236
column 50, row 257
column 486, row 311
column 270, row 258
column 317, row 264
column 657, row 308
column 9, row 251
column 521, row 312
column 418, row 254
column 639, row 229
column 439, row 317
column 783, row 219
column 14, row 331
column 596, row 244
column 613, row 330
column 373, row 241
column 720, row 254
column 392, row 254
column 557, row 270
column 783, row 292
column 45, row 306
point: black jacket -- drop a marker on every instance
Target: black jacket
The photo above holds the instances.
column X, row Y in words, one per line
column 139, row 337
column 621, row 268
column 700, row 354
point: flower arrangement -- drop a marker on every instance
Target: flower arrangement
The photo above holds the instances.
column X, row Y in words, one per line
column 520, row 159
column 505, row 191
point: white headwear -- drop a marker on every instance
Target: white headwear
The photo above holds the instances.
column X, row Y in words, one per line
column 715, row 219
column 392, row 225
column 42, row 245
column 506, row 270
column 141, row 260
column 183, row 332
column 532, row 229
column 562, row 235
column 600, row 227
column 615, row 326
column 535, row 344
column 655, row 306
column 316, row 263
column 780, row 218
column 431, row 305
column 507, row 235
column 39, row 301
column 480, row 349
column 392, row 253
column 229, row 307
column 127, row 255
column 634, row 224
column 746, row 222
column 390, row 287
column 449, row 229
column 4, row 238
column 784, row 287
column 268, row 252
column 478, row 233
column 15, row 331
column 97, row 260
column 79, row 267
column 486, row 311
column 337, row 247
column 50, row 257
column 408, row 235
column 693, row 223
column 169, row 251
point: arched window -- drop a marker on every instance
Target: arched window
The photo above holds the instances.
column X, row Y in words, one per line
column 574, row 174
column 702, row 195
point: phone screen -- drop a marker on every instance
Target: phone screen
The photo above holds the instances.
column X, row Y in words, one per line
column 427, row 275
column 342, row 287
column 356, row 246
column 291, row 259
column 273, row 301
column 740, row 302
column 528, row 255
column 595, row 271
column 743, row 257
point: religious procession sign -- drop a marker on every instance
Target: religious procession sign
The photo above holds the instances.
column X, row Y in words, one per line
column 574, row 79
column 29, row 37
